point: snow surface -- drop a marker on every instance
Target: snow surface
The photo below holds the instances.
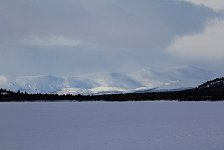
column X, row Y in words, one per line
column 112, row 126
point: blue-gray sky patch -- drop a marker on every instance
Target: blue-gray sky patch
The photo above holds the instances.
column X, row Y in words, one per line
column 82, row 36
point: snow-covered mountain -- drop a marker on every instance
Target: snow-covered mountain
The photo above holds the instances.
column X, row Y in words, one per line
column 105, row 83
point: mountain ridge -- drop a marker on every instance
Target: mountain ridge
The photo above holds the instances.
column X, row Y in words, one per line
column 100, row 83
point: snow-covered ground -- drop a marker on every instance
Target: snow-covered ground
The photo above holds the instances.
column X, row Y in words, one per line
column 112, row 126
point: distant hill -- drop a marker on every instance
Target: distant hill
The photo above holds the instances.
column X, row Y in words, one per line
column 213, row 84
column 209, row 91
column 141, row 81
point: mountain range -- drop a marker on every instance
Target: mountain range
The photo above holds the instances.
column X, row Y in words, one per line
column 144, row 80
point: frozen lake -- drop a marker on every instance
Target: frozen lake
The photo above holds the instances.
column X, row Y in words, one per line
column 112, row 126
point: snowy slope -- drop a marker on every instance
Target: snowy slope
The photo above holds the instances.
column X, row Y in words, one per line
column 106, row 83
column 189, row 75
column 179, row 77
column 36, row 84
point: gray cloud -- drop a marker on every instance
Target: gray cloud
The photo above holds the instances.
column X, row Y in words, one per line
column 132, row 24
column 215, row 4
column 75, row 36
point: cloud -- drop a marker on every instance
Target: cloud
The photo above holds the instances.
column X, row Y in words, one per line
column 69, row 37
column 51, row 41
column 3, row 81
column 206, row 45
column 137, row 25
column 215, row 4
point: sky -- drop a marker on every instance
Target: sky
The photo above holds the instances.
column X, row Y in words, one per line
column 74, row 37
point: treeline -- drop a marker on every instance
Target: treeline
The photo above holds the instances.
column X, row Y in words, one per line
column 185, row 95
column 209, row 91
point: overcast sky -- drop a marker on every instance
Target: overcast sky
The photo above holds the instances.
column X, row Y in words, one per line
column 72, row 37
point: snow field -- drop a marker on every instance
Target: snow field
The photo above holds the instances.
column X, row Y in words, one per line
column 112, row 126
